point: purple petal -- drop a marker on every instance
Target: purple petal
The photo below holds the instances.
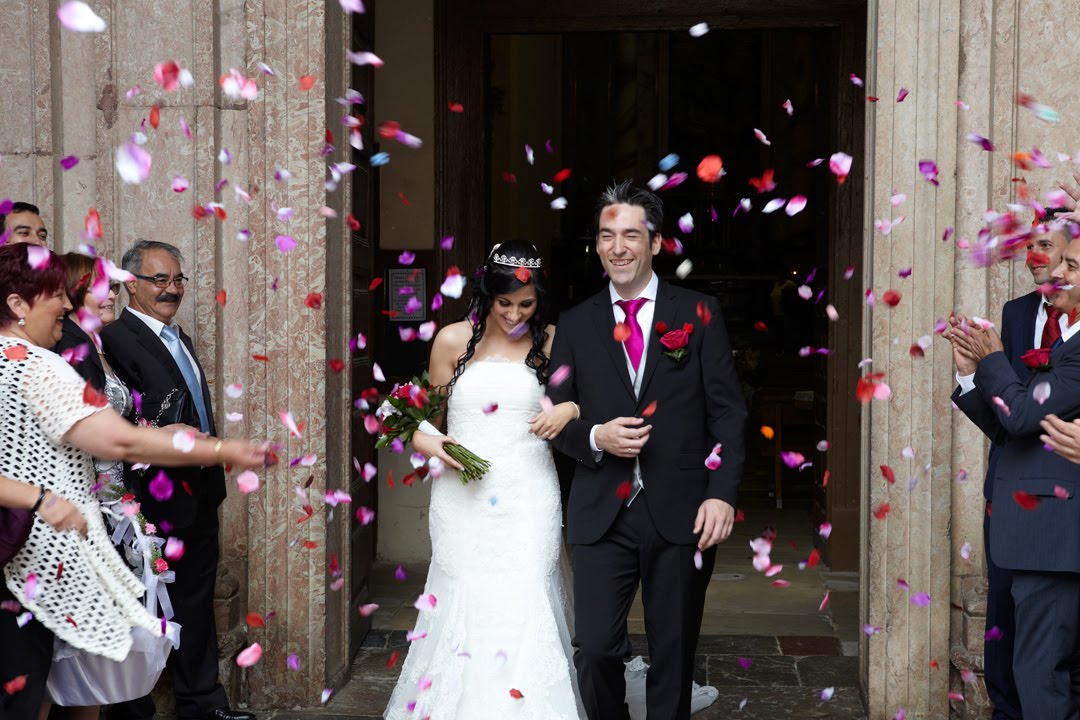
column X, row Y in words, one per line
column 69, row 162
column 406, row 258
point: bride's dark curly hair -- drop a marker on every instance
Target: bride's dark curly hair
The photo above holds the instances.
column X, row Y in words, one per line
column 494, row 279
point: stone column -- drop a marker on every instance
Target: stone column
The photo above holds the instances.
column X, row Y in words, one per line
column 912, row 44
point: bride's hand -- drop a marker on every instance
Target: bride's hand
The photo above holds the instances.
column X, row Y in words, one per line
column 546, row 424
column 432, row 446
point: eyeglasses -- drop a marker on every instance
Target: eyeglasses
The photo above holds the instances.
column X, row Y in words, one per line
column 162, row 281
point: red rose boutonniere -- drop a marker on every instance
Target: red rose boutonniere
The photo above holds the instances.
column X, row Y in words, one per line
column 1037, row 359
column 675, row 342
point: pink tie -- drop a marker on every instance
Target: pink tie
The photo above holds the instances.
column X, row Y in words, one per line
column 635, row 344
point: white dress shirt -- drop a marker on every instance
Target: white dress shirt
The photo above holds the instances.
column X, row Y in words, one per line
column 967, row 382
column 156, row 327
column 644, row 316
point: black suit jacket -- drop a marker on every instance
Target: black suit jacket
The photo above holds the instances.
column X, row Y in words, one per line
column 142, row 361
column 91, row 367
column 1046, row 538
column 699, row 403
column 1017, row 336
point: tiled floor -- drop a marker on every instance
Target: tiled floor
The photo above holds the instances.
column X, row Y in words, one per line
column 792, row 651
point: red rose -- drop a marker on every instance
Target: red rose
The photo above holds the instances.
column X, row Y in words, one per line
column 160, row 565
column 1037, row 358
column 677, row 339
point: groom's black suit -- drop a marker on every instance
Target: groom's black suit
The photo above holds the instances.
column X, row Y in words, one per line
column 698, row 404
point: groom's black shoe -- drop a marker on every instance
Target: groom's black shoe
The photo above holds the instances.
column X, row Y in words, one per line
column 228, row 714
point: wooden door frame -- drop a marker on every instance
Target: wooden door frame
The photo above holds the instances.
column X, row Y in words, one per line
column 462, row 28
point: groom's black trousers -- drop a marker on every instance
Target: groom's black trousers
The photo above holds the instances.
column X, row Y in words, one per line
column 606, row 574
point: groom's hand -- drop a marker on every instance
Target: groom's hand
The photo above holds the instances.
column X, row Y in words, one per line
column 714, row 521
column 623, row 437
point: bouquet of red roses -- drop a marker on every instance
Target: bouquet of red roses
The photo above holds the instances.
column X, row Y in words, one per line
column 411, row 407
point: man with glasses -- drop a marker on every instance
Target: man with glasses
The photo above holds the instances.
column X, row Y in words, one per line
column 156, row 358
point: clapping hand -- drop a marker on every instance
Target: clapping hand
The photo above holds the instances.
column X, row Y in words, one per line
column 965, row 365
column 975, row 343
column 1062, row 437
column 1073, row 203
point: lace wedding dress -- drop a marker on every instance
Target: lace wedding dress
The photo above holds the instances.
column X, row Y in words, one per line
column 497, row 642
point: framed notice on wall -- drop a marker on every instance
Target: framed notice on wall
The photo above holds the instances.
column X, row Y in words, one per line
column 406, row 294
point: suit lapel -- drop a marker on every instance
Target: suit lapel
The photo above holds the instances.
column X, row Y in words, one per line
column 153, row 345
column 665, row 312
column 604, row 317
column 92, row 356
column 1027, row 328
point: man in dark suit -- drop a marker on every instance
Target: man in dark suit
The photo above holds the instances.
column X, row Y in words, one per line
column 1027, row 322
column 156, row 359
column 1034, row 529
column 643, row 503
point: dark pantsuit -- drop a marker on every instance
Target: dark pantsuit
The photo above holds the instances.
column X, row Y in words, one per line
column 1047, row 662
column 23, row 651
column 607, row 573
column 998, row 654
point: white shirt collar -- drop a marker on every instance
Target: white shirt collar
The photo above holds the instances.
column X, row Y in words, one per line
column 155, row 325
column 649, row 293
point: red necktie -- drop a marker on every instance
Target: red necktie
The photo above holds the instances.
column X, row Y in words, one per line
column 1052, row 329
column 635, row 344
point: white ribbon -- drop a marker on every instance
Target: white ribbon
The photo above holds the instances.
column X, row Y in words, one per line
column 156, row 592
column 428, row 429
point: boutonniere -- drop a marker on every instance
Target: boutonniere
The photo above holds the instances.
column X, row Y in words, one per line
column 1037, row 359
column 675, row 341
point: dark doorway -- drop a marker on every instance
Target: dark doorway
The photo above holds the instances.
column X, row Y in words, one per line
column 577, row 111
column 617, row 87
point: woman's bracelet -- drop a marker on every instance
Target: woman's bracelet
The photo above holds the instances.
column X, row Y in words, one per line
column 40, row 497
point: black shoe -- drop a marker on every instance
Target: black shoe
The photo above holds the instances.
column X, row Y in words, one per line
column 228, row 714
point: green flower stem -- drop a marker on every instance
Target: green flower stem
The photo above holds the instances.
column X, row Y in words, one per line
column 474, row 466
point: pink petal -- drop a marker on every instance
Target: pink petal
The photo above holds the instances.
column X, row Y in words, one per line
column 78, row 17
column 1001, row 404
column 31, row 587
column 363, row 58
column 250, row 656
column 825, row 530
column 289, row 422
column 425, row 603
column 559, row 376
column 827, row 694
column 979, row 140
column 1041, row 392
column 901, row 95
column 929, row 170
column 69, row 162
column 368, row 610
column 773, row 205
column 179, row 184
column 365, row 515
column 38, row 257
column 1061, row 493
column 789, row 107
column 285, row 243
column 406, row 258
column 792, row 459
column 133, row 163
column 761, row 137
column 247, row 481
column 293, row 662
column 921, row 599
column 856, row 80
column 352, row 6
column 686, row 223
column 840, row 165
column 795, row 205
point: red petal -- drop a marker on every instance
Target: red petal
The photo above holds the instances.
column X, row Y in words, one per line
column 260, row 358
column 740, row 516
column 375, row 282
column 336, row 365
column 622, row 332
column 890, row 476
column 649, row 410
column 562, row 175
column 220, row 299
column 882, row 511
column 523, row 275
column 155, row 117
column 313, row 300
column 1025, row 500
column 16, row 684
column 891, row 298
column 761, row 327
column 934, row 664
column 187, row 487
column 15, row 352
column 220, row 214
column 825, row 480
column 255, row 620
column 814, row 558
column 307, row 82
column 516, row 694
column 456, row 107
column 623, row 491
column 92, row 397
column 704, row 313
column 354, row 225
column 661, row 327
column 392, row 661
column 198, row 212
column 310, row 544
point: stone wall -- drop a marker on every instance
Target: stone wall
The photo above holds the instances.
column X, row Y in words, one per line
column 68, row 94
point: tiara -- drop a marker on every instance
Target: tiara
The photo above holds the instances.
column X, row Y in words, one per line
column 513, row 261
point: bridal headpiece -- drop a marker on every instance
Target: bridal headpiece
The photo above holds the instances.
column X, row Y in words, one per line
column 513, row 260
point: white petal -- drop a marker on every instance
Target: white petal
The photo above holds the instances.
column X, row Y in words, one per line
column 78, row 17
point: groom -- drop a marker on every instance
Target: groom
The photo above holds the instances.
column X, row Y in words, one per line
column 651, row 367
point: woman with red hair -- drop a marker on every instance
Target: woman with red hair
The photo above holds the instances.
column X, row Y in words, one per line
column 52, row 425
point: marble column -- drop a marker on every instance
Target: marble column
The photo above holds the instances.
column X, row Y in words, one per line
column 912, row 44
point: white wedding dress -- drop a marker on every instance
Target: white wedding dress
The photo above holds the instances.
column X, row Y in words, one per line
column 502, row 619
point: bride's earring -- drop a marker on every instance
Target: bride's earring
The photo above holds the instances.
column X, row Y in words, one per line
column 22, row 321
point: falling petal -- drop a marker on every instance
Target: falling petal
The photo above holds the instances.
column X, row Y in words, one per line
column 929, row 170
column 558, row 203
column 979, row 140
column 795, row 205
column 761, row 137
column 773, row 205
column 965, row 551
column 248, row 482
column 133, row 163
column 827, row 694
column 1041, row 392
column 921, row 599
column 856, row 80
column 78, row 17
column 699, row 29
column 902, row 94
column 668, row 162
column 825, row 530
column 363, row 58
column 352, row 6
column 686, row 223
column 788, row 107
column 249, row 656
column 840, row 166
column 425, row 603
column 285, row 243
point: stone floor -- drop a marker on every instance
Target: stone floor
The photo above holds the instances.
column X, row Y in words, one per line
column 794, row 651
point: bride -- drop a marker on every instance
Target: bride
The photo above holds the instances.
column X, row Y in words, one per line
column 497, row 641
